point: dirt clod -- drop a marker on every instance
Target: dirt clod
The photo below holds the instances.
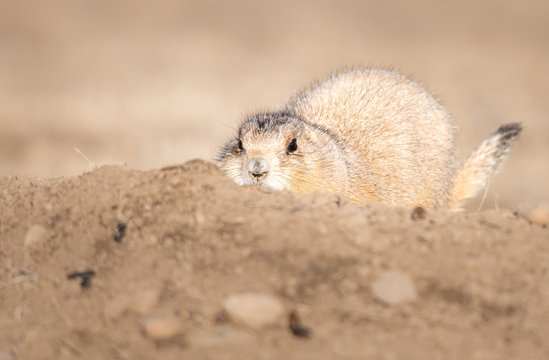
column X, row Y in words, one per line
column 296, row 327
column 84, row 276
column 120, row 231
column 535, row 211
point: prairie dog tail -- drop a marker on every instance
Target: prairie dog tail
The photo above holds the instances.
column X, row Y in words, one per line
column 482, row 164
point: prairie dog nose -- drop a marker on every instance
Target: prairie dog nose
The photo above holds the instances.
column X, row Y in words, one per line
column 257, row 169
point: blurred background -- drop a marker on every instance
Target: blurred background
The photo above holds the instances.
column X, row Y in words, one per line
column 149, row 84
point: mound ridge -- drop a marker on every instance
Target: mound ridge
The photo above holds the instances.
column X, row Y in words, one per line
column 191, row 238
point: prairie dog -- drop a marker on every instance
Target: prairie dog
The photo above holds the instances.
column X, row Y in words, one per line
column 371, row 135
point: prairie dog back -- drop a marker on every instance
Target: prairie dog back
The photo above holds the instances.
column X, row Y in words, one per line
column 369, row 134
column 399, row 139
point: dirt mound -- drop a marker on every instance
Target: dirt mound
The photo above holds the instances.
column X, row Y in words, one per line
column 125, row 264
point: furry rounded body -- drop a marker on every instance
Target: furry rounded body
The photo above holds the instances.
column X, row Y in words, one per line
column 369, row 134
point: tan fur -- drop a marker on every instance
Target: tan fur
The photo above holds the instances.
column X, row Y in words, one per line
column 371, row 135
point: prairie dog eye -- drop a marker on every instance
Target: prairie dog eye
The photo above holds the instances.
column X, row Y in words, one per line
column 293, row 146
column 240, row 146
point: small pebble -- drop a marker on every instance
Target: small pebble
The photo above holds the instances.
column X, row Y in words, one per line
column 394, row 287
column 296, row 327
column 35, row 235
column 418, row 213
column 536, row 211
column 254, row 309
column 120, row 231
column 162, row 328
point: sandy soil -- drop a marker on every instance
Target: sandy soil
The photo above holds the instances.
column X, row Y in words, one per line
column 193, row 238
column 140, row 87
column 149, row 85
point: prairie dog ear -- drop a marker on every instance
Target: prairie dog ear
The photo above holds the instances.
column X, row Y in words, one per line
column 315, row 135
column 308, row 134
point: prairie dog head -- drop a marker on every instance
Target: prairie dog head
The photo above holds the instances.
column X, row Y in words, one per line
column 281, row 152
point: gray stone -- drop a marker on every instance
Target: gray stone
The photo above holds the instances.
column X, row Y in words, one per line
column 394, row 287
column 255, row 310
column 35, row 235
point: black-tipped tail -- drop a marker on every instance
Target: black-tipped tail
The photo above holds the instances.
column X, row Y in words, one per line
column 482, row 164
